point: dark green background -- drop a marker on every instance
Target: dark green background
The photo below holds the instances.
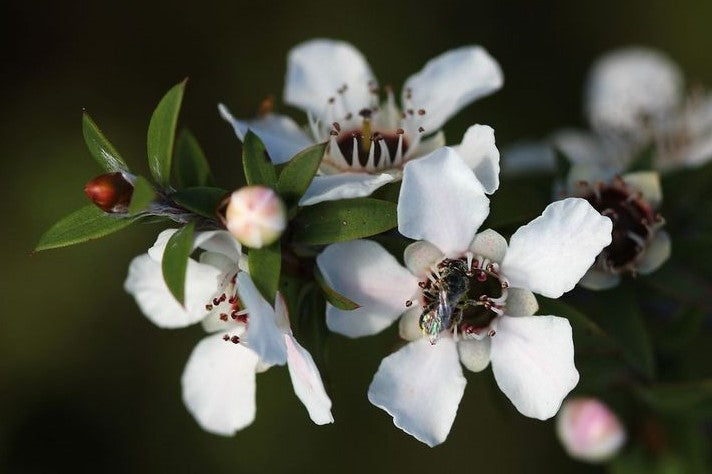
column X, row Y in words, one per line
column 86, row 382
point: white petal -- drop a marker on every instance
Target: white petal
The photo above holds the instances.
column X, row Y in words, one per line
column 533, row 363
column 441, row 201
column 365, row 273
column 550, row 254
column 317, row 69
column 630, row 87
column 474, row 354
column 307, row 382
column 520, row 302
column 157, row 249
column 480, row 153
column 263, row 335
column 219, row 385
column 427, row 145
column 421, row 386
column 648, row 183
column 332, row 187
column 598, row 279
column 489, row 244
column 451, row 81
column 145, row 283
column 420, row 256
column 281, row 135
column 656, row 253
column 219, row 241
column 409, row 323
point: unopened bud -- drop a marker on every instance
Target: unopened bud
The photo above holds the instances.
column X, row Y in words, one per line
column 589, row 430
column 110, row 192
column 255, row 215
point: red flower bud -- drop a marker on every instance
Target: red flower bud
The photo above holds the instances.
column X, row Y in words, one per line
column 110, row 192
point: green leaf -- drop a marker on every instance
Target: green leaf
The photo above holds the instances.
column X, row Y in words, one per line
column 333, row 296
column 643, row 161
column 388, row 192
column 191, row 167
column 85, row 224
column 257, row 164
column 100, row 147
column 142, row 196
column 201, row 200
column 338, row 221
column 587, row 334
column 689, row 399
column 175, row 260
column 563, row 164
column 617, row 312
column 298, row 173
column 161, row 134
column 265, row 266
column 681, row 283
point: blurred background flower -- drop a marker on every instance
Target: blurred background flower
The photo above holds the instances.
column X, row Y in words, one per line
column 86, row 382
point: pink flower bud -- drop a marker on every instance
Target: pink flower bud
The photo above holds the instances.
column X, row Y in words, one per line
column 255, row 215
column 111, row 192
column 589, row 430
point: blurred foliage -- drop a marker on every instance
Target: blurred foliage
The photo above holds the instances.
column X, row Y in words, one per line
column 86, row 382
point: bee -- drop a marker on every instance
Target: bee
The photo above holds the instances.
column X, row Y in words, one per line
column 442, row 298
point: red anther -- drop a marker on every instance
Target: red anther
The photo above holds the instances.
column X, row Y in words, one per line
column 481, row 276
column 336, row 126
column 235, row 339
column 226, row 337
column 232, row 299
column 400, row 131
column 365, row 113
column 422, row 284
column 349, row 116
column 110, row 192
column 331, row 100
column 333, row 133
column 410, row 111
column 216, row 301
column 223, row 297
column 233, row 314
column 421, row 129
column 223, row 316
column 421, row 111
column 408, row 303
column 242, row 318
column 208, row 307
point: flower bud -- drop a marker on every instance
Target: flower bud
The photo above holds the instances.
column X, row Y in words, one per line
column 589, row 430
column 111, row 192
column 255, row 215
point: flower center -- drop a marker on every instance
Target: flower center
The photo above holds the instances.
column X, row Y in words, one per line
column 374, row 138
column 466, row 293
column 228, row 309
column 634, row 223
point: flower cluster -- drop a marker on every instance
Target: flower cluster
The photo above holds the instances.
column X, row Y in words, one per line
column 365, row 217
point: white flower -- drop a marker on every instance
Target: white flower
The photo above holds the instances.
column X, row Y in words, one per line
column 247, row 334
column 589, row 430
column 370, row 142
column 469, row 292
column 638, row 245
column 631, row 89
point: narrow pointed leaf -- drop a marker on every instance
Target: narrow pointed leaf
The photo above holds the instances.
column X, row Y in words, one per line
column 333, row 296
column 100, row 147
column 161, row 134
column 692, row 398
column 202, row 200
column 85, row 224
column 143, row 195
column 258, row 167
column 265, row 266
column 190, row 165
column 298, row 173
column 338, row 221
column 175, row 261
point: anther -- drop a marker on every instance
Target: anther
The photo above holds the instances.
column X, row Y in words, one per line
column 331, row 100
column 409, row 303
column 365, row 113
column 226, row 337
column 421, row 111
column 336, row 126
column 421, row 284
column 400, row 131
column 223, row 316
column 481, row 276
column 421, row 129
column 208, row 307
column 235, row 339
